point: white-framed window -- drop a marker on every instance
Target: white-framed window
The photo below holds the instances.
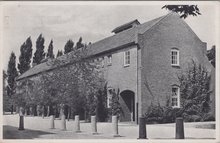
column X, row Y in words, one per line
column 127, row 57
column 109, row 62
column 109, row 97
column 175, row 97
column 102, row 62
column 174, row 57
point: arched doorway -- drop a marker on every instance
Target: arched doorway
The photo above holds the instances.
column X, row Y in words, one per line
column 127, row 101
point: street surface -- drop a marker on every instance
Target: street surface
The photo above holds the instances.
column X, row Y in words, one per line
column 38, row 128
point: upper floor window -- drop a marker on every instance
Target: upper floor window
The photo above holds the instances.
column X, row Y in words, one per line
column 175, row 98
column 109, row 60
column 175, row 57
column 127, row 58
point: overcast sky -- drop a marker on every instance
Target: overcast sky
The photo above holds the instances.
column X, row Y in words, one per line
column 91, row 22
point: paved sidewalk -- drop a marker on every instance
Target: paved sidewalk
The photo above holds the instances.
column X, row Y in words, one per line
column 38, row 128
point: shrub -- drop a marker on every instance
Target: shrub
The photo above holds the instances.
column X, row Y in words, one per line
column 209, row 117
column 154, row 114
column 195, row 92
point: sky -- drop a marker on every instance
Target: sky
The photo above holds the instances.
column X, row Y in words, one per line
column 92, row 22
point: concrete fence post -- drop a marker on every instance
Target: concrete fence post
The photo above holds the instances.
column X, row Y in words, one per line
column 179, row 128
column 21, row 119
column 52, row 125
column 142, row 128
column 94, row 125
column 77, row 124
column 21, row 123
column 115, row 126
column 63, row 122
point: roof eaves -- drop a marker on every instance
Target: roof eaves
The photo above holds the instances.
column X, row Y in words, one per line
column 113, row 49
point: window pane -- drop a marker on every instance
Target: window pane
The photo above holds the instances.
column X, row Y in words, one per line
column 174, row 102
column 174, row 91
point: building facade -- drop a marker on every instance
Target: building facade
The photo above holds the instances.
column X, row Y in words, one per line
column 143, row 60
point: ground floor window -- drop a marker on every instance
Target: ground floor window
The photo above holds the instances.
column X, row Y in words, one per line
column 175, row 99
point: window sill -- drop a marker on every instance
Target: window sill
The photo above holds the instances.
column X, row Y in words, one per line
column 126, row 65
column 175, row 66
column 175, row 107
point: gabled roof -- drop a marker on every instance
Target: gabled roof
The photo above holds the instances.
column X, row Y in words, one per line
column 110, row 43
column 122, row 38
column 126, row 26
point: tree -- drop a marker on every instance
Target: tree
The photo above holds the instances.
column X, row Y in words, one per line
column 79, row 43
column 6, row 100
column 183, row 10
column 23, row 96
column 50, row 50
column 12, row 74
column 195, row 92
column 68, row 46
column 59, row 53
column 102, row 110
column 39, row 54
column 116, row 109
column 75, row 84
column 211, row 55
column 25, row 56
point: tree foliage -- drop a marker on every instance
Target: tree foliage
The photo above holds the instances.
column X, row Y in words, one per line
column 50, row 50
column 116, row 109
column 102, row 111
column 194, row 90
column 74, row 82
column 39, row 54
column 24, row 96
column 79, row 43
column 12, row 74
column 59, row 53
column 183, row 10
column 7, row 102
column 68, row 46
column 25, row 56
column 211, row 55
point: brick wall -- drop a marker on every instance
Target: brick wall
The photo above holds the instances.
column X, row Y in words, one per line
column 119, row 76
column 156, row 46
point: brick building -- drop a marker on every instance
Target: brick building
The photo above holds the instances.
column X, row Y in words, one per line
column 142, row 61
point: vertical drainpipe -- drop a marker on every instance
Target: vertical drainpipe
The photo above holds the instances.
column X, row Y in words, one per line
column 137, row 98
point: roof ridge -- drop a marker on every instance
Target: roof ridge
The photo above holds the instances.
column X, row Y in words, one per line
column 138, row 26
column 160, row 19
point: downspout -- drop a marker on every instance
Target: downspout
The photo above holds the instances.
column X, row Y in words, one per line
column 137, row 85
